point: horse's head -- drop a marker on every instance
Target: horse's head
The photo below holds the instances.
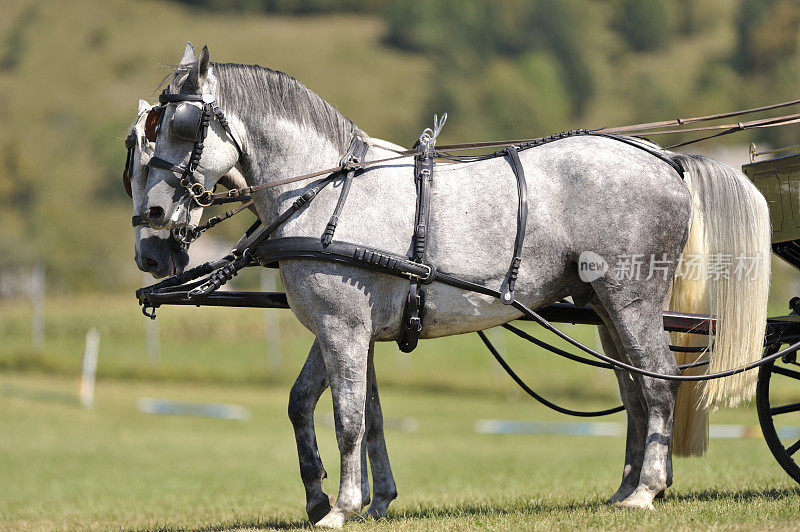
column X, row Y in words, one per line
column 194, row 145
column 156, row 250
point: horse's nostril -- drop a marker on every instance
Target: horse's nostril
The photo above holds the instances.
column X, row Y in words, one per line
column 154, row 213
column 149, row 264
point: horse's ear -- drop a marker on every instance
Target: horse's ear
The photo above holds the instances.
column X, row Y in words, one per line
column 198, row 73
column 143, row 106
column 202, row 64
column 189, row 58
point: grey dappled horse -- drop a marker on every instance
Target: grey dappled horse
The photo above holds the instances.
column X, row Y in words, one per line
column 157, row 252
column 585, row 193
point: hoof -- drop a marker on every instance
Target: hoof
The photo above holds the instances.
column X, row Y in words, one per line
column 627, row 505
column 377, row 511
column 320, row 510
column 619, row 496
column 334, row 519
column 637, row 501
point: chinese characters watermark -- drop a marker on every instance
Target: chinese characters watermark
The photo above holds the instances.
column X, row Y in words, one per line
column 693, row 267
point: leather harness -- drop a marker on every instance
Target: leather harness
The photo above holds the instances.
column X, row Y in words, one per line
column 255, row 246
column 414, row 310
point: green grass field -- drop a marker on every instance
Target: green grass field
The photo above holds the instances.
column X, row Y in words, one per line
column 114, row 468
column 64, row 467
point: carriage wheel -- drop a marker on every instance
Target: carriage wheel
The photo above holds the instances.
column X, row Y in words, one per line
column 778, row 408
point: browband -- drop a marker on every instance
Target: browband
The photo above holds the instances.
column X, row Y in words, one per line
column 165, row 97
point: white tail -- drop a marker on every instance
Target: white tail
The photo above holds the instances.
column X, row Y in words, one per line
column 731, row 236
column 689, row 294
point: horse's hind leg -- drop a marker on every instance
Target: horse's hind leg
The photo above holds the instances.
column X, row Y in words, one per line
column 637, row 421
column 636, row 315
column 384, row 489
column 302, row 401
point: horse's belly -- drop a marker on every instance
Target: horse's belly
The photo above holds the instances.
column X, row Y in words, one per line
column 451, row 311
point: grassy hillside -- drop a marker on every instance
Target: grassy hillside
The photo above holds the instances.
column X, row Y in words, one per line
column 72, row 89
column 71, row 74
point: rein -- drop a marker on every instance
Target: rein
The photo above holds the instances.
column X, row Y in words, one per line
column 640, row 130
column 204, row 198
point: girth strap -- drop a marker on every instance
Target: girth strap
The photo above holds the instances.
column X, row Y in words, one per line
column 507, row 288
column 414, row 311
column 355, row 154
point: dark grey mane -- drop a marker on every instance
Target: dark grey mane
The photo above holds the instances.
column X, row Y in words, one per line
column 266, row 92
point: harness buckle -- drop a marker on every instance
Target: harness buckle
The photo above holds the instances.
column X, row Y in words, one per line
column 427, row 278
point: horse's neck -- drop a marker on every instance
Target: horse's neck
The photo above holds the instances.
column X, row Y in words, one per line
column 286, row 150
column 294, row 152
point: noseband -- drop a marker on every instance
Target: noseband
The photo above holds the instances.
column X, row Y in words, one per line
column 188, row 124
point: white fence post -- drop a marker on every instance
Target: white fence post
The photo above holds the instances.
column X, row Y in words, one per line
column 37, row 305
column 89, row 367
column 272, row 334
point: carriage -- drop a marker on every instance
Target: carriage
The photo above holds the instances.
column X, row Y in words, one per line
column 193, row 113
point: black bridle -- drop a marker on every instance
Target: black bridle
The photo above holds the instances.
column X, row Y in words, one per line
column 188, row 123
column 127, row 173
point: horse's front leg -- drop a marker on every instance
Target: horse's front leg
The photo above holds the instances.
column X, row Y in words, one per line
column 345, row 350
column 303, row 399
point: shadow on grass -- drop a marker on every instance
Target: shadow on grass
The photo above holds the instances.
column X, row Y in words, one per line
column 433, row 512
column 500, row 509
column 266, row 524
column 740, row 495
column 497, row 510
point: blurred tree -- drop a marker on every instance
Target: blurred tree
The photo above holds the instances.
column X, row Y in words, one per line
column 693, row 16
column 14, row 43
column 767, row 34
column 645, row 24
column 562, row 27
column 466, row 39
column 293, row 7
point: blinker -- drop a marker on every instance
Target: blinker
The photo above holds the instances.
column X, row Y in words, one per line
column 185, row 122
column 126, row 175
column 153, row 123
column 130, row 144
